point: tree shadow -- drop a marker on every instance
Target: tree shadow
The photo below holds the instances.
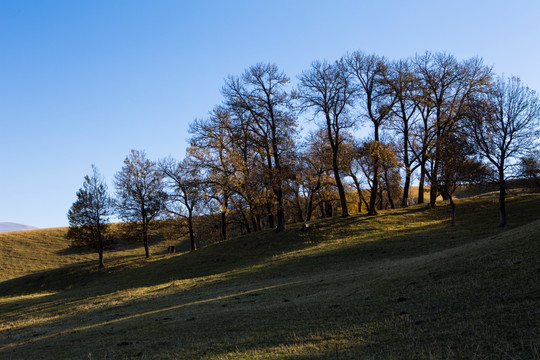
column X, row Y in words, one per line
column 239, row 263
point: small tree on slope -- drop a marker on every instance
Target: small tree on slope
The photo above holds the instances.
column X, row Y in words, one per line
column 89, row 215
column 140, row 192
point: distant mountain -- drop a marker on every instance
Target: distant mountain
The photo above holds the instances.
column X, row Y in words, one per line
column 9, row 226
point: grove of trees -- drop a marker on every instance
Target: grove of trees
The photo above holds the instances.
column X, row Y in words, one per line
column 431, row 120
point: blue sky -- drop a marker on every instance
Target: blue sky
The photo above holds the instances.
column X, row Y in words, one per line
column 84, row 82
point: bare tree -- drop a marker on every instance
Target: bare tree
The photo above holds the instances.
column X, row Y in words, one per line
column 262, row 95
column 252, row 194
column 140, row 194
column 212, row 149
column 422, row 134
column 316, row 164
column 89, row 215
column 185, row 195
column 404, row 116
column 326, row 89
column 445, row 88
column 504, row 125
column 376, row 99
column 390, row 176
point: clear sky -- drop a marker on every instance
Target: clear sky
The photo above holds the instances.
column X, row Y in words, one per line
column 84, row 82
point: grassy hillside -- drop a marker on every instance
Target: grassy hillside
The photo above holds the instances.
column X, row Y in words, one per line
column 30, row 251
column 400, row 285
column 25, row 252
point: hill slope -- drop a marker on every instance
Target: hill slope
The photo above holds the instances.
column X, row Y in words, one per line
column 26, row 252
column 399, row 285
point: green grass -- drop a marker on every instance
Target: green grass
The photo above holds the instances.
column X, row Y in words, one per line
column 402, row 285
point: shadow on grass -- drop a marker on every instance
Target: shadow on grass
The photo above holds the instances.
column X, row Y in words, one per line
column 355, row 324
column 242, row 263
column 359, row 238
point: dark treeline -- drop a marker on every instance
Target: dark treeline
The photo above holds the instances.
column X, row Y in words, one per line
column 432, row 120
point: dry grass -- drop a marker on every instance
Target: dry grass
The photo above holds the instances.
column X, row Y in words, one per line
column 400, row 285
column 35, row 250
column 31, row 251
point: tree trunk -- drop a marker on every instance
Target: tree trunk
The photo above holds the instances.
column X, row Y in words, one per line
column 101, row 253
column 329, row 206
column 502, row 205
column 144, row 225
column 224, row 225
column 390, row 200
column 432, row 195
column 191, row 233
column 334, row 145
column 101, row 265
column 246, row 221
column 453, row 206
column 365, row 203
column 374, row 188
column 259, row 222
column 341, row 189
column 421, row 184
column 359, row 192
column 321, row 208
column 381, row 199
column 299, row 208
column 310, row 208
column 278, row 185
column 375, row 183
column 254, row 223
column 100, row 249
column 270, row 214
column 406, row 188
column 280, row 211
column 145, row 243
column 433, row 189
